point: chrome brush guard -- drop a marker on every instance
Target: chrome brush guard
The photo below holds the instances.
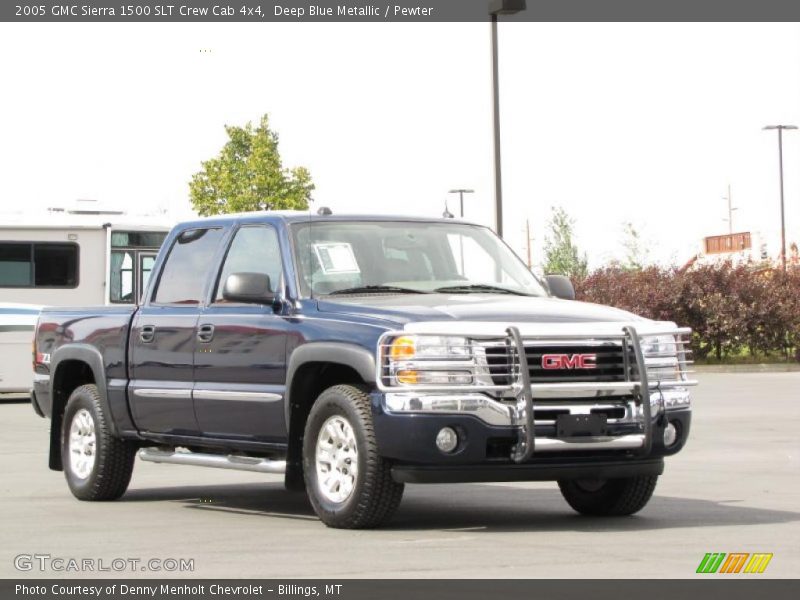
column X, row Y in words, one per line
column 510, row 400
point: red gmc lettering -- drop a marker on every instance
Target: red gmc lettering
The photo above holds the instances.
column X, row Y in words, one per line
column 567, row 361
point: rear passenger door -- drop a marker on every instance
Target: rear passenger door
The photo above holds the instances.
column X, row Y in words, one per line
column 240, row 357
column 163, row 336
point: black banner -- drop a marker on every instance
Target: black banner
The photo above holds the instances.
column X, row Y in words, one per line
column 734, row 588
column 230, row 11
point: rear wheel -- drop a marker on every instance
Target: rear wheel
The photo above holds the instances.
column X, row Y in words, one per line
column 609, row 497
column 350, row 486
column 97, row 466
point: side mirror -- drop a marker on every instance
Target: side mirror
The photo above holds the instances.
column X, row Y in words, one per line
column 560, row 286
column 250, row 288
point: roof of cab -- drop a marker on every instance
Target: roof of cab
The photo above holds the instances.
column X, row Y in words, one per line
column 296, row 216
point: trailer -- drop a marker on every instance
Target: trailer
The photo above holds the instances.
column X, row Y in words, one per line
column 67, row 257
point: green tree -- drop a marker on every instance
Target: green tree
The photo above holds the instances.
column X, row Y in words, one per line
column 636, row 255
column 248, row 175
column 561, row 254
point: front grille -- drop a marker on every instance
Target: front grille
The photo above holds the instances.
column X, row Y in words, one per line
column 610, row 365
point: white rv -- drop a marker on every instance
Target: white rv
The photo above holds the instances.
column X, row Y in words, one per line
column 17, row 322
column 66, row 257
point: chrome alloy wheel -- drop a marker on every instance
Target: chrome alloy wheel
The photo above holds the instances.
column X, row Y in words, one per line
column 337, row 459
column 82, row 444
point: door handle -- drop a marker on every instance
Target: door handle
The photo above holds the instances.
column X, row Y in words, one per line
column 205, row 333
column 147, row 333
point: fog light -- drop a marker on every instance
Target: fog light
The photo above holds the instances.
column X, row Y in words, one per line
column 670, row 434
column 447, row 439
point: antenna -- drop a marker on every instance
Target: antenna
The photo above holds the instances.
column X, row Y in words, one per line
column 731, row 208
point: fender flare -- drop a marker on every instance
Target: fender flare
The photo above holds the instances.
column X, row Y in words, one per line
column 90, row 356
column 356, row 357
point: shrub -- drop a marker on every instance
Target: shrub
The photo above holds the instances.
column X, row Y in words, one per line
column 729, row 307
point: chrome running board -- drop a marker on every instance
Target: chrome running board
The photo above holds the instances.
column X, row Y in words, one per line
column 217, row 461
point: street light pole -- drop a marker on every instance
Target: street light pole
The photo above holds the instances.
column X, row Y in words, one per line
column 499, row 7
column 780, row 129
column 528, row 240
column 461, row 193
column 498, row 176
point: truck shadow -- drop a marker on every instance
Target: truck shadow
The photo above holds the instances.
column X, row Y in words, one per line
column 475, row 507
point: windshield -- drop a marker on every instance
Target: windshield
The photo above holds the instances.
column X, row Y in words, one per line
column 341, row 257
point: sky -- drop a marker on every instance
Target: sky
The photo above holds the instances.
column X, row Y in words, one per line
column 640, row 123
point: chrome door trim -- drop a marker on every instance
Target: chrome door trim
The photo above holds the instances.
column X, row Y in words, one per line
column 202, row 394
column 177, row 394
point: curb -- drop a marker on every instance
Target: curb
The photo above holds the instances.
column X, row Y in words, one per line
column 755, row 368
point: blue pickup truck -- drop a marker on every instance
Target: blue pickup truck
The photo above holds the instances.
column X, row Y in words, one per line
column 355, row 354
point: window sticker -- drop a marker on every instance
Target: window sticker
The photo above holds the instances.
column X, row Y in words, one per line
column 336, row 258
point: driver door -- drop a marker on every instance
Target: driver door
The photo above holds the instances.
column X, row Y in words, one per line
column 240, row 349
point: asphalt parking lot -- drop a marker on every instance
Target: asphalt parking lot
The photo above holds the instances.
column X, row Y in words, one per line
column 734, row 488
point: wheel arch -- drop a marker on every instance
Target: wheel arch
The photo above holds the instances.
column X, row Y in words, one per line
column 313, row 368
column 71, row 367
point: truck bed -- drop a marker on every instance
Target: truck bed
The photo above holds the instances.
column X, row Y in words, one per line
column 105, row 329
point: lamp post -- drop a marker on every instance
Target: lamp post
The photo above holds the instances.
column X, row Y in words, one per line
column 780, row 129
column 496, row 8
column 461, row 193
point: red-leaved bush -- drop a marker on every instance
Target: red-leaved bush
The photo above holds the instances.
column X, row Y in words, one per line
column 729, row 307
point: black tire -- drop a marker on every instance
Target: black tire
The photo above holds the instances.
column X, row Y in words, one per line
column 610, row 497
column 110, row 473
column 375, row 495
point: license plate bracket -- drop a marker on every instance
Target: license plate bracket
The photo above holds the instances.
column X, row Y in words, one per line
column 568, row 426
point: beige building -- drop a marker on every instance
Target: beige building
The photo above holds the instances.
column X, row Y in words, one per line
column 750, row 247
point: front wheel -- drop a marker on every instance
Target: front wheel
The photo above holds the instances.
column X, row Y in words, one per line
column 349, row 485
column 97, row 465
column 609, row 497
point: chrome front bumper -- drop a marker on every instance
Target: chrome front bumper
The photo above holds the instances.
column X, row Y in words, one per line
column 497, row 413
column 503, row 414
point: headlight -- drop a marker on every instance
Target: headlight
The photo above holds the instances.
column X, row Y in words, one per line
column 660, row 344
column 430, row 347
column 429, row 360
column 661, row 357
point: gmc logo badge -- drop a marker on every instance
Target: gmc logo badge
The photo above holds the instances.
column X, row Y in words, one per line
column 569, row 361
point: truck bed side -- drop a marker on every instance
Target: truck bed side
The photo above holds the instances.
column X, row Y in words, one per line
column 79, row 346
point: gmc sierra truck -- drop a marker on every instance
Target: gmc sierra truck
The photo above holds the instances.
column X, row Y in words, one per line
column 354, row 355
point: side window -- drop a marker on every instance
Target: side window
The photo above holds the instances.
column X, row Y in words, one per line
column 121, row 280
column 186, row 269
column 255, row 249
column 132, row 257
column 16, row 265
column 48, row 265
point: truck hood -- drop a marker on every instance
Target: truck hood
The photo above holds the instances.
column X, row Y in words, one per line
column 403, row 309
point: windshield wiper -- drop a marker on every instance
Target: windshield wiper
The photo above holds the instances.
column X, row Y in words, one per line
column 478, row 288
column 368, row 289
